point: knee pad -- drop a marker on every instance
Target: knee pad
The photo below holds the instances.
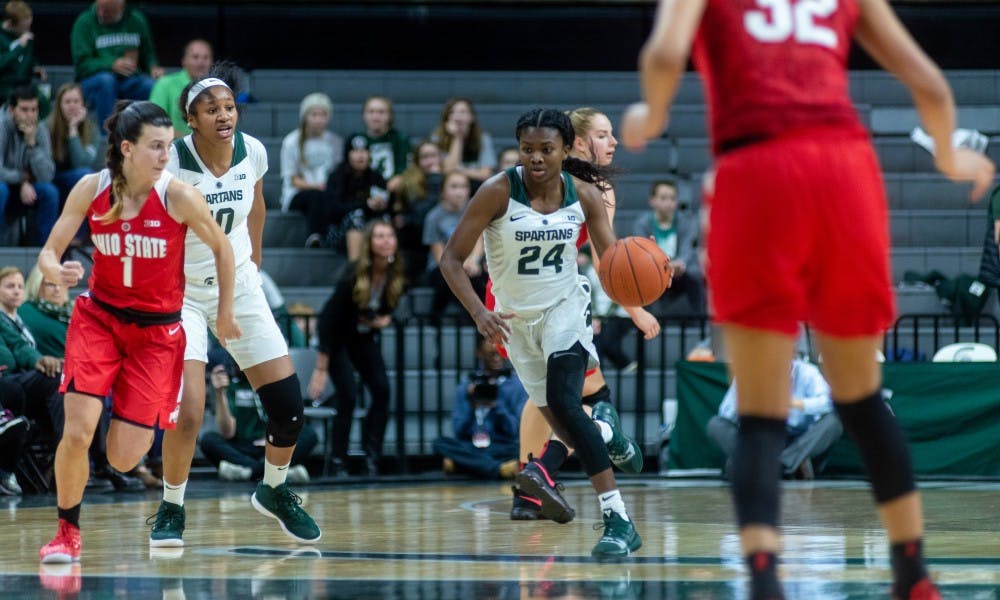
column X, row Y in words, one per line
column 601, row 395
column 282, row 401
column 564, row 384
column 882, row 444
column 756, row 471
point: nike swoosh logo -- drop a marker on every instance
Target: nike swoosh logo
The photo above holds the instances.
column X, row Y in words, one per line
column 173, row 330
column 95, row 218
column 517, row 217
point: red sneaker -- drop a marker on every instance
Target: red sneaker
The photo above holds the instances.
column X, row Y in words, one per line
column 923, row 590
column 65, row 547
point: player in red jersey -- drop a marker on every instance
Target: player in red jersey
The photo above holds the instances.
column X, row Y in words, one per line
column 125, row 335
column 797, row 188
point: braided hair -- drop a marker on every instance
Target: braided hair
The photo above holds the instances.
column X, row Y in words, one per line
column 126, row 123
column 558, row 120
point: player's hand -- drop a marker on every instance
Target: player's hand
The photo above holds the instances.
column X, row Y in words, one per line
column 493, row 325
column 70, row 273
column 970, row 166
column 227, row 329
column 647, row 323
column 638, row 127
column 317, row 383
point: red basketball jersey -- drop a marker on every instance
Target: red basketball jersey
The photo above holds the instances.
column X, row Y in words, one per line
column 769, row 66
column 138, row 262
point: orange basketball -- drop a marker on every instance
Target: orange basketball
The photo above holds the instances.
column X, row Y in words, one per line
column 634, row 271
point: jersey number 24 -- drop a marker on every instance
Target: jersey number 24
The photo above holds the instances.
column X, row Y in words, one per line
column 780, row 20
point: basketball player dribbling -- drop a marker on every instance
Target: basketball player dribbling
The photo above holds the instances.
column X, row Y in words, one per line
column 797, row 186
column 125, row 334
column 593, row 142
column 530, row 217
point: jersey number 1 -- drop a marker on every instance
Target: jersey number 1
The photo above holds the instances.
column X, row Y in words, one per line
column 779, row 20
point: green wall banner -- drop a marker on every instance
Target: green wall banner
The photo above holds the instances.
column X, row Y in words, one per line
column 950, row 412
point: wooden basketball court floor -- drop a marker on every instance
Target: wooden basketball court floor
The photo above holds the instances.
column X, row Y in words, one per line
column 454, row 540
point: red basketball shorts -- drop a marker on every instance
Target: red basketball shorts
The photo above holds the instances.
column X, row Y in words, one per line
column 141, row 367
column 798, row 232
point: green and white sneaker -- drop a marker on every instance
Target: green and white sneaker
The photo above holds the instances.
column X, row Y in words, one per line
column 622, row 450
column 284, row 505
column 168, row 526
column 620, row 538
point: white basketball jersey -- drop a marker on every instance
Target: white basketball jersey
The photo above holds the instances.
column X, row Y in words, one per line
column 531, row 256
column 229, row 197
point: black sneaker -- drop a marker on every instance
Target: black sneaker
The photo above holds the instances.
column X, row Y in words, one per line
column 525, row 508
column 534, row 481
column 620, row 538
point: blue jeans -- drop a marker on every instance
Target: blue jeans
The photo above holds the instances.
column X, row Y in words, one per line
column 102, row 90
column 65, row 180
column 46, row 206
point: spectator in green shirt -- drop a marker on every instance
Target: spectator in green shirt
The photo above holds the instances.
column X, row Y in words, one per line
column 167, row 90
column 113, row 55
column 17, row 54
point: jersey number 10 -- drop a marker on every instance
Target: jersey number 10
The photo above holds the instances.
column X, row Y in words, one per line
column 780, row 20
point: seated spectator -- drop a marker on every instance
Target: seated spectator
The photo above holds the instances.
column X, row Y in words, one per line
column 73, row 136
column 13, row 435
column 812, row 425
column 677, row 235
column 509, row 157
column 418, row 191
column 17, row 54
column 440, row 223
column 113, row 55
column 465, row 147
column 22, row 364
column 166, row 92
column 26, row 165
column 308, row 156
column 46, row 313
column 485, row 419
column 349, row 329
column 356, row 195
column 237, row 447
column 389, row 148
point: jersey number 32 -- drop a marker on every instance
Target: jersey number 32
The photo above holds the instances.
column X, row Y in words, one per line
column 780, row 20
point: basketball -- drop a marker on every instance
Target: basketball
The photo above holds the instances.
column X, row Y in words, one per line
column 634, row 271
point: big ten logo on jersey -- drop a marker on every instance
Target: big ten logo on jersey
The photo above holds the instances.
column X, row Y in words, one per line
column 239, row 176
column 780, row 20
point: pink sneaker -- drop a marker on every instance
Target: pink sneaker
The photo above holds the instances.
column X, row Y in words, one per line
column 64, row 548
column 923, row 590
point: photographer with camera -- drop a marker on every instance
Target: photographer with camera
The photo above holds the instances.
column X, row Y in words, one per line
column 485, row 419
column 237, row 447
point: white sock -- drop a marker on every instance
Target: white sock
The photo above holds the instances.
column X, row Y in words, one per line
column 613, row 501
column 273, row 474
column 606, row 433
column 174, row 493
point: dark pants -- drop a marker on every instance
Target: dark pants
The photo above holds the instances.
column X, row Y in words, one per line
column 313, row 204
column 364, row 354
column 687, row 287
column 246, row 454
column 812, row 444
column 46, row 207
column 43, row 403
column 609, row 341
column 102, row 90
column 481, row 462
column 443, row 295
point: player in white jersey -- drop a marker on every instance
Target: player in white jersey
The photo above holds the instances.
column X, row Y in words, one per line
column 531, row 217
column 228, row 166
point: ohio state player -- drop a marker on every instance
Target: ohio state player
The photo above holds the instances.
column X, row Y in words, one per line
column 125, row 337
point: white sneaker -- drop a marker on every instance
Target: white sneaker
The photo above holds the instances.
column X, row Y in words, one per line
column 231, row 472
column 297, row 474
column 9, row 485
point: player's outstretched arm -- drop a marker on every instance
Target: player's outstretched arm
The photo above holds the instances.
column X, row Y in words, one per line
column 188, row 206
column 662, row 63
column 882, row 35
